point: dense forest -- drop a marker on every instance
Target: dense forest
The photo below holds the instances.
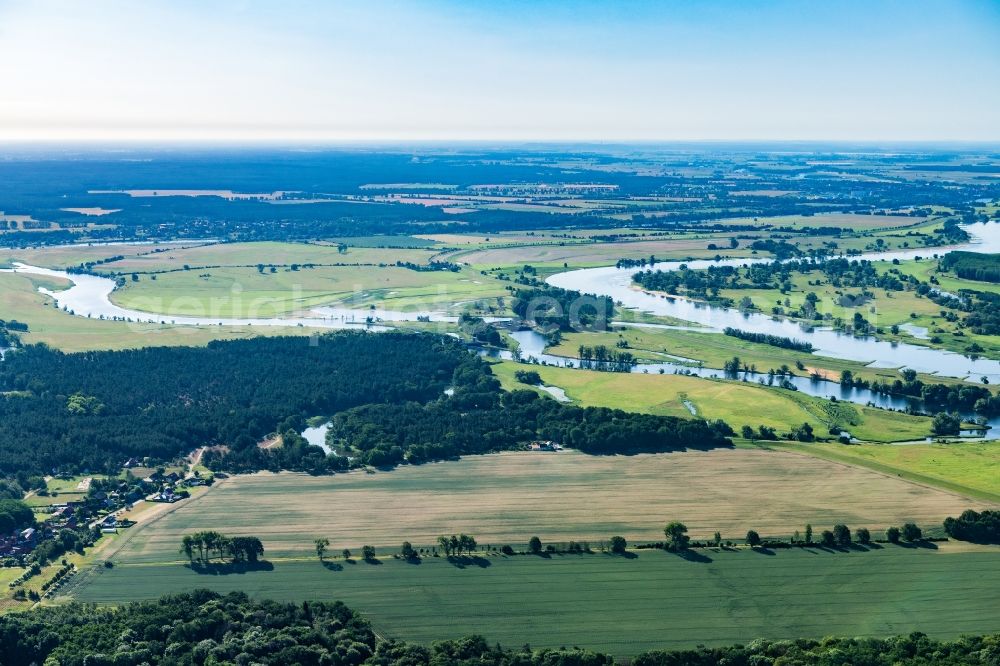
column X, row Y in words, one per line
column 479, row 417
column 94, row 410
column 91, row 411
column 207, row 628
column 973, row 265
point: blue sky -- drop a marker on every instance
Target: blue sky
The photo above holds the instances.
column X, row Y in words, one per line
column 504, row 70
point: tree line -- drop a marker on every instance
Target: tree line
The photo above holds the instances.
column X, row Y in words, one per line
column 766, row 339
column 207, row 627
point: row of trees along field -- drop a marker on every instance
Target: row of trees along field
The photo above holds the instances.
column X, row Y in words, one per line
column 204, row 627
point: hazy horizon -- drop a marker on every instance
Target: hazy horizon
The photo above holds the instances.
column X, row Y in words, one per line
column 550, row 71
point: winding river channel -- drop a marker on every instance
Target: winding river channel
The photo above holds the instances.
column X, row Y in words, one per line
column 89, row 296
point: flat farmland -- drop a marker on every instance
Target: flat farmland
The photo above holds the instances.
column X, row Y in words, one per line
column 251, row 254
column 577, row 254
column 971, row 467
column 231, row 291
column 65, row 256
column 619, row 605
column 851, row 221
column 507, row 498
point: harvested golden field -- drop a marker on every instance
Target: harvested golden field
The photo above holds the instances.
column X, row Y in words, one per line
column 507, row 498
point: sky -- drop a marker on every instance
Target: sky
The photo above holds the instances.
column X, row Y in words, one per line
column 535, row 70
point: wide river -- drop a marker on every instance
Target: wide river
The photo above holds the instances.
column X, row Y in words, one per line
column 617, row 283
column 89, row 296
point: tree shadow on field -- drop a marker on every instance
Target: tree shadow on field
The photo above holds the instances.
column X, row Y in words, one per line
column 333, row 566
column 627, row 555
column 929, row 545
column 691, row 556
column 413, row 560
column 227, row 568
column 763, row 550
column 464, row 561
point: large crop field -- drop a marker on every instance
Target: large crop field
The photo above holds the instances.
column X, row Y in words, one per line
column 507, row 498
column 251, row 254
column 622, row 605
column 246, row 292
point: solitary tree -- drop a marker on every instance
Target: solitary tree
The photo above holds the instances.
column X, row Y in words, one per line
column 617, row 544
column 535, row 545
column 912, row 533
column 842, row 535
column 809, row 533
column 346, row 553
column 946, row 424
column 863, row 536
column 445, row 544
column 368, row 553
column 407, row 551
column 753, row 539
column 321, row 546
column 717, row 538
column 677, row 538
column 827, row 539
column 892, row 535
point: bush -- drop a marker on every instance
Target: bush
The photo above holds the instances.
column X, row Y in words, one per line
column 530, row 377
column 507, row 550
